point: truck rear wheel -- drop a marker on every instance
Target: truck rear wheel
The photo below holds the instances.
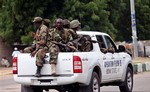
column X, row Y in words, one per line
column 37, row 89
column 94, row 85
column 128, row 83
column 30, row 89
column 26, row 88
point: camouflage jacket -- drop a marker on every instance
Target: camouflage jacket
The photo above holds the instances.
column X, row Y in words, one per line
column 60, row 35
column 41, row 36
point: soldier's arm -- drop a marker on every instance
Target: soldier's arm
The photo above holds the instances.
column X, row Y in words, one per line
column 70, row 38
column 33, row 34
column 88, row 46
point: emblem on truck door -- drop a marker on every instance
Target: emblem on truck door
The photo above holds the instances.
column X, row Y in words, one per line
column 66, row 59
column 84, row 59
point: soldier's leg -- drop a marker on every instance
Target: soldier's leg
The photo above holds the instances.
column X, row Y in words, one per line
column 39, row 61
column 40, row 56
column 53, row 51
column 28, row 50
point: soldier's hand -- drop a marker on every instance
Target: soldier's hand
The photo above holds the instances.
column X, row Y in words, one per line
column 33, row 34
column 72, row 47
column 70, row 44
column 33, row 53
column 37, row 37
column 54, row 42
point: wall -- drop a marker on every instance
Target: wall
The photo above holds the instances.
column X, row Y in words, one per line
column 5, row 50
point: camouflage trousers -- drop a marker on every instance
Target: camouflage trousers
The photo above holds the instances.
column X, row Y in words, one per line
column 40, row 54
column 53, row 51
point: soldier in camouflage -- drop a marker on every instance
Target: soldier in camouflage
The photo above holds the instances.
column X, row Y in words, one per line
column 59, row 34
column 85, row 44
column 82, row 43
column 75, row 26
column 39, row 44
column 46, row 22
column 66, row 23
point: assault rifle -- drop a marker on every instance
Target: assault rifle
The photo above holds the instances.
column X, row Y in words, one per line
column 65, row 47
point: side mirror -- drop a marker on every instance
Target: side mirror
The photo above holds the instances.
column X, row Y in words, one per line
column 121, row 48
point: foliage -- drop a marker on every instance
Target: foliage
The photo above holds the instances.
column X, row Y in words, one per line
column 112, row 17
column 143, row 18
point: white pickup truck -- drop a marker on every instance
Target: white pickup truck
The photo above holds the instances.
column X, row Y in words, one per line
column 79, row 71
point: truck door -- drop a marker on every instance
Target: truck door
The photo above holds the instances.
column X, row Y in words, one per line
column 115, row 62
column 106, row 58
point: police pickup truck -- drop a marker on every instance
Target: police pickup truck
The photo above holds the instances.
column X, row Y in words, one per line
column 104, row 65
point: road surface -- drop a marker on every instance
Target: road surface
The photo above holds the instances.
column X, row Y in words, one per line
column 141, row 84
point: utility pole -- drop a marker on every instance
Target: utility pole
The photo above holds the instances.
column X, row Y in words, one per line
column 134, row 33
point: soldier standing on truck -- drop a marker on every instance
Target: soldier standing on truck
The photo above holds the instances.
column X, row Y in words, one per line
column 59, row 34
column 39, row 46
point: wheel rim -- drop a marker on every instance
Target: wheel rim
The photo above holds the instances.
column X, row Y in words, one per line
column 95, row 85
column 129, row 80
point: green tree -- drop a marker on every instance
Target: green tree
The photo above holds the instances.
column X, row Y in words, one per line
column 112, row 17
column 142, row 8
column 120, row 17
column 92, row 14
column 17, row 16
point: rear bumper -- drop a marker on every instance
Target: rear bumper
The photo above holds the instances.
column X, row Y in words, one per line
column 53, row 81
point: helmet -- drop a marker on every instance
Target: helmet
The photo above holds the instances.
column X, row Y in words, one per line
column 74, row 24
column 66, row 22
column 46, row 20
column 37, row 19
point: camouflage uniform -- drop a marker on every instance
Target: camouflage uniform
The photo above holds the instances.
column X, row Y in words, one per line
column 46, row 22
column 85, row 44
column 75, row 26
column 58, row 36
column 40, row 40
column 82, row 43
column 66, row 23
column 42, row 33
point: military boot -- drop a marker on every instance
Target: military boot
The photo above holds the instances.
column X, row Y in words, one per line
column 38, row 71
column 53, row 69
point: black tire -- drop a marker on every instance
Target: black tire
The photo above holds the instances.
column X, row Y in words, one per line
column 30, row 89
column 37, row 89
column 26, row 88
column 70, row 88
column 128, row 83
column 74, row 88
column 94, row 85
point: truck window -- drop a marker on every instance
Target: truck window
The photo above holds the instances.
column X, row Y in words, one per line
column 101, row 43
column 110, row 44
column 86, row 43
